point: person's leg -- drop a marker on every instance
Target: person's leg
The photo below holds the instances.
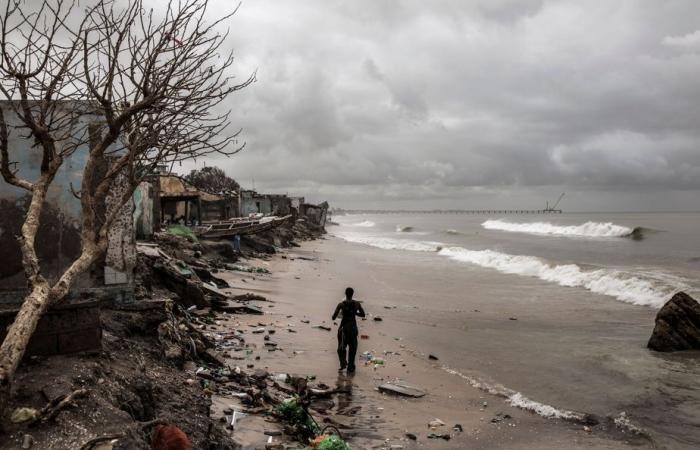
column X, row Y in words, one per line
column 341, row 348
column 352, row 344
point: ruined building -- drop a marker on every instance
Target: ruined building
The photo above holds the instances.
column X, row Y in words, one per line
column 75, row 327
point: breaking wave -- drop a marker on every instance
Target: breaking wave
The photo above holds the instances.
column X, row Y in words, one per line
column 647, row 289
column 615, row 283
column 403, row 229
column 588, row 229
column 391, row 243
column 451, row 231
column 365, row 224
column 519, row 400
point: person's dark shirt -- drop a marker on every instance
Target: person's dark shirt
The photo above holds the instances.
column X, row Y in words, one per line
column 350, row 309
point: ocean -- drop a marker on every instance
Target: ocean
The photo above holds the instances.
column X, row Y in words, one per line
column 551, row 311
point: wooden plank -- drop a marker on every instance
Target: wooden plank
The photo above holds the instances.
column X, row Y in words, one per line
column 400, row 388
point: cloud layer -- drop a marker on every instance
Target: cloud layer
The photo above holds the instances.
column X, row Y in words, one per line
column 459, row 104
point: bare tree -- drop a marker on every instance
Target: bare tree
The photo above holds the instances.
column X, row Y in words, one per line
column 138, row 87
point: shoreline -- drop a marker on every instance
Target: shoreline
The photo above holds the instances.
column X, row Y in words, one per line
column 304, row 285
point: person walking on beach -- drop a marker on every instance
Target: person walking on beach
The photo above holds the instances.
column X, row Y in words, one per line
column 347, row 331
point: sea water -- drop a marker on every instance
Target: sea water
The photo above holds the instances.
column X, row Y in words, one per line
column 585, row 289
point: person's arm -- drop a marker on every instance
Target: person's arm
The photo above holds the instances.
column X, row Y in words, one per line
column 337, row 311
column 359, row 311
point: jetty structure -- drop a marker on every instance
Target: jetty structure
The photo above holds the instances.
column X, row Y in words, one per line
column 553, row 209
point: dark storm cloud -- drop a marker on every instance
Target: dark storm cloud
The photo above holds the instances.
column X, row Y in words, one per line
column 459, row 102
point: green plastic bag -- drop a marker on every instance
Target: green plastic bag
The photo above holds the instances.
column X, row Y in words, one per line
column 333, row 443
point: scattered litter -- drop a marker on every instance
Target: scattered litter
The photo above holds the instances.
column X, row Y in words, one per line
column 21, row 415
column 403, row 389
column 445, row 436
column 500, row 417
column 433, row 424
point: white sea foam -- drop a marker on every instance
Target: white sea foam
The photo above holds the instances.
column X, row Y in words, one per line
column 517, row 399
column 365, row 224
column 619, row 284
column 387, row 243
column 646, row 289
column 588, row 229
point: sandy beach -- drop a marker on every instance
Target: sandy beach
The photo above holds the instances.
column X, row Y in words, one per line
column 304, row 286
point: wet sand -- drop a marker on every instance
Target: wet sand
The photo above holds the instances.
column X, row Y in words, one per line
column 306, row 284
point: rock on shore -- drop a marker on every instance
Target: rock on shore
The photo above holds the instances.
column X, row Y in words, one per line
column 677, row 325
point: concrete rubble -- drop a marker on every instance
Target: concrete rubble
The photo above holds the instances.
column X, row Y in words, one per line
column 163, row 360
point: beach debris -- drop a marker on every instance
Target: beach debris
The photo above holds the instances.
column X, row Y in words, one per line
column 433, row 357
column 364, row 336
column 500, row 417
column 323, row 327
column 445, row 436
column 378, row 319
column 272, row 432
column 400, row 388
column 435, row 423
column 299, row 421
column 248, row 269
column 458, row 427
column 512, row 318
column 21, row 415
column 27, row 441
column 677, row 325
column 332, row 442
column 412, row 436
column 377, row 361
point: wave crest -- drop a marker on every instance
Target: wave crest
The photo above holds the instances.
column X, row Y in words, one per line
column 519, row 400
column 646, row 289
column 365, row 224
column 588, row 229
column 620, row 285
column 392, row 244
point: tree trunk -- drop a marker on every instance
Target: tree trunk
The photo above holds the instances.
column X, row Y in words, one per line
column 21, row 330
column 35, row 305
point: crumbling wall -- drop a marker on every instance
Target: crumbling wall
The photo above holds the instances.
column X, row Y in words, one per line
column 144, row 217
column 316, row 214
column 58, row 239
column 121, row 252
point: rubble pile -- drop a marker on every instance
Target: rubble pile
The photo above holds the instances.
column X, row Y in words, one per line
column 165, row 356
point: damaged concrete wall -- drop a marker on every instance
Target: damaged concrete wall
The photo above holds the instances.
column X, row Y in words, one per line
column 316, row 214
column 144, row 212
column 121, row 252
column 252, row 203
column 58, row 239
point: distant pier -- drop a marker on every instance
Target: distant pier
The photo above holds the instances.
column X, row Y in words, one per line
column 447, row 211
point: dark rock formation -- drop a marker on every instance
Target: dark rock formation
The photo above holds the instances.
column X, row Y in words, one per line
column 677, row 325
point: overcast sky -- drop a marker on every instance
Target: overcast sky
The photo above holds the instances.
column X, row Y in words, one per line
column 459, row 104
